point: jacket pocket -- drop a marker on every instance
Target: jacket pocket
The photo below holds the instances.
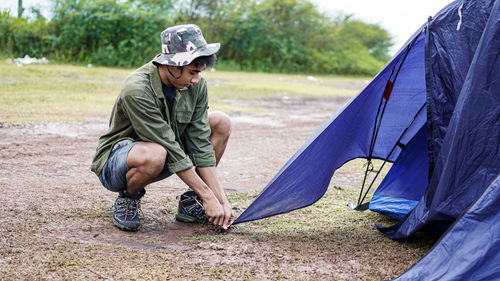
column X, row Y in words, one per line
column 184, row 116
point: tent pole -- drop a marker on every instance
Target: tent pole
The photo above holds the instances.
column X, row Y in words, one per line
column 398, row 142
column 376, row 127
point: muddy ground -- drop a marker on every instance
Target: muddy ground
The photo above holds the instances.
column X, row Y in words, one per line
column 55, row 216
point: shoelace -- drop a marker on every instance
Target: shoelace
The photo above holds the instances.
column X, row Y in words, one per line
column 195, row 210
column 132, row 207
column 200, row 212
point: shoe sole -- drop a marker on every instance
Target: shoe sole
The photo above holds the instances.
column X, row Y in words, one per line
column 188, row 219
column 122, row 227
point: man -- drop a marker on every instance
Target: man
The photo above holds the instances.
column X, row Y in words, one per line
column 159, row 126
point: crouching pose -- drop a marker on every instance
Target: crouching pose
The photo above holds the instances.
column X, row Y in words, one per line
column 160, row 126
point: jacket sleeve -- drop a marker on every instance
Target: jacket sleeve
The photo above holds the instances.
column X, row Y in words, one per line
column 149, row 125
column 196, row 137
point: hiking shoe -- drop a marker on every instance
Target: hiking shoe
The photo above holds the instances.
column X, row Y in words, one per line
column 190, row 208
column 127, row 211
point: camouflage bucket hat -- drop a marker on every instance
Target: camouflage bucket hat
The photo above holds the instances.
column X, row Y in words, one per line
column 182, row 44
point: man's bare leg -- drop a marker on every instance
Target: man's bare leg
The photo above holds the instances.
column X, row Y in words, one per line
column 145, row 161
column 220, row 125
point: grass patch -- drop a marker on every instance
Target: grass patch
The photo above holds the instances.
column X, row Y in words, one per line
column 249, row 85
column 56, row 93
column 65, row 93
column 330, row 213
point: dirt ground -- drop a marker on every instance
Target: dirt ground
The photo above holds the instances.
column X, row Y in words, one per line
column 55, row 215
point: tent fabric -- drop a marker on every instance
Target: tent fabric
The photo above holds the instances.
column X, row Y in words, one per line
column 467, row 173
column 468, row 155
column 469, row 250
column 345, row 136
column 452, row 66
column 452, row 40
column 405, row 184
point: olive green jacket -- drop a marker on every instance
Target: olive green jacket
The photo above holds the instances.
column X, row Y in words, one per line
column 140, row 114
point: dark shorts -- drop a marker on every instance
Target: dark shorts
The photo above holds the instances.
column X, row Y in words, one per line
column 114, row 172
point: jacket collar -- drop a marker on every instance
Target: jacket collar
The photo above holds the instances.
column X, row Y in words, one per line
column 155, row 80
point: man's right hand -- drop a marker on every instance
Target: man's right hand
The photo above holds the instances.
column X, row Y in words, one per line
column 228, row 215
column 214, row 211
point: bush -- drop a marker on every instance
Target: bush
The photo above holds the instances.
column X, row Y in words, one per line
column 20, row 37
column 107, row 32
column 256, row 35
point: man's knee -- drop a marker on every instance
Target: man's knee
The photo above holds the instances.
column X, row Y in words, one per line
column 148, row 157
column 220, row 123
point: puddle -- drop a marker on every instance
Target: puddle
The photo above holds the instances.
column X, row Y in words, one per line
column 67, row 129
column 257, row 120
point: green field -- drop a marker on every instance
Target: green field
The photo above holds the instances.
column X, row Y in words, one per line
column 61, row 93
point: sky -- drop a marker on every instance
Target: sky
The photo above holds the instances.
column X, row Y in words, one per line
column 400, row 17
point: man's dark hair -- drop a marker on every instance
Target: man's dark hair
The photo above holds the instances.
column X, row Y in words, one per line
column 206, row 61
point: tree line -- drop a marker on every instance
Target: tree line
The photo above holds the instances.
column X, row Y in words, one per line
column 256, row 35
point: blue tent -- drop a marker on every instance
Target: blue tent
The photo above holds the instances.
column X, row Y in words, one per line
column 434, row 112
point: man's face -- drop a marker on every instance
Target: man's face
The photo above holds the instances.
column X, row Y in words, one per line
column 190, row 75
